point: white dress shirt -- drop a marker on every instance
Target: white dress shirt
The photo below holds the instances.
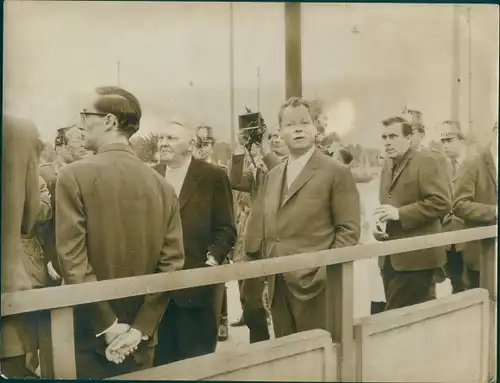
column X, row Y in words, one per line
column 295, row 166
column 176, row 176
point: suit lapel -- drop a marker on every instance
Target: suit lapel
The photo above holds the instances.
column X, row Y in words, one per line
column 274, row 184
column 193, row 177
column 161, row 168
column 490, row 165
column 402, row 166
column 305, row 175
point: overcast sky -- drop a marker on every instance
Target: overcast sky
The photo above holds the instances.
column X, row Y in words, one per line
column 175, row 58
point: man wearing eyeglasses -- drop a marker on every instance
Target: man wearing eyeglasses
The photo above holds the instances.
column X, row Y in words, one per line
column 414, row 198
column 116, row 218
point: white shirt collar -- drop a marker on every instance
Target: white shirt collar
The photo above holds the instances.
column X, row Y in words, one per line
column 302, row 160
column 183, row 168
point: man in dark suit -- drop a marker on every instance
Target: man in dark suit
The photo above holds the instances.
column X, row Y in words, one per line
column 310, row 203
column 189, row 327
column 116, row 218
column 453, row 142
column 252, row 181
column 69, row 148
column 476, row 203
column 20, row 207
column 414, row 197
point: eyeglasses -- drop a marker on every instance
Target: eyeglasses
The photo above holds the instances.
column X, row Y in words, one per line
column 84, row 114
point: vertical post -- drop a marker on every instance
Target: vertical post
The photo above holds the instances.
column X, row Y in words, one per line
column 293, row 50
column 487, row 281
column 455, row 72
column 63, row 343
column 470, row 70
column 231, row 77
column 340, row 314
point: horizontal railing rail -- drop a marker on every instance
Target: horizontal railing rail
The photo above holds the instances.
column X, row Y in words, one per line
column 73, row 295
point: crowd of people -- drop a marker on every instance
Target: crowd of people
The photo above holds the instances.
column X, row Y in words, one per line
column 97, row 212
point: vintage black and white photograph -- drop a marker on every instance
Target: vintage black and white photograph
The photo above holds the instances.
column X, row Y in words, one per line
column 249, row 191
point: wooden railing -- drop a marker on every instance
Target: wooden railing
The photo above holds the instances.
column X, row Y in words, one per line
column 57, row 347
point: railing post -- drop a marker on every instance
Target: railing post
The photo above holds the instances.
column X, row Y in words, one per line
column 57, row 344
column 293, row 50
column 488, row 276
column 340, row 314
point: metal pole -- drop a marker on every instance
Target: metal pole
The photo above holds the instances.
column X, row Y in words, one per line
column 231, row 77
column 470, row 70
column 293, row 50
column 258, row 88
column 118, row 72
column 455, row 80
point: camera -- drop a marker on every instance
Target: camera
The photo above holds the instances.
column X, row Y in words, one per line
column 253, row 127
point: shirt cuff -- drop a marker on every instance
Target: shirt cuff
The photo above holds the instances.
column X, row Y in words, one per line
column 109, row 328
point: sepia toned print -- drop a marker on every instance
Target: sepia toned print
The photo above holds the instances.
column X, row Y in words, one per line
column 250, row 191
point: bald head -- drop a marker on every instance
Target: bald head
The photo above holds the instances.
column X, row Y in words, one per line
column 176, row 138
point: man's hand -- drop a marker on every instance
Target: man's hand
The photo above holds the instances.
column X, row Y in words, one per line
column 265, row 147
column 52, row 272
column 387, row 213
column 124, row 345
column 110, row 335
column 380, row 235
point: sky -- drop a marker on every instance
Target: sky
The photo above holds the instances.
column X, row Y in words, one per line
column 175, row 57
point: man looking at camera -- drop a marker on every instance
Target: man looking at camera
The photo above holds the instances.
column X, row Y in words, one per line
column 414, row 197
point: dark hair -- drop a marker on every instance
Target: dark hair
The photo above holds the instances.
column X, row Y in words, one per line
column 405, row 125
column 122, row 104
column 346, row 155
column 294, row 102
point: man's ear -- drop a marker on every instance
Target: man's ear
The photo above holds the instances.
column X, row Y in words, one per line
column 110, row 121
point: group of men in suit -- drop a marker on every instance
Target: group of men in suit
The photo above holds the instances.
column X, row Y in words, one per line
column 114, row 217
column 425, row 192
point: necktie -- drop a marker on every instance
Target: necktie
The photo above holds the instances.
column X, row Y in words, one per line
column 454, row 166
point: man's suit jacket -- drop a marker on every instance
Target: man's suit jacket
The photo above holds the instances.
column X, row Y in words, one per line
column 476, row 203
column 247, row 181
column 206, row 207
column 451, row 222
column 20, row 207
column 49, row 173
column 321, row 211
column 116, row 218
column 421, row 192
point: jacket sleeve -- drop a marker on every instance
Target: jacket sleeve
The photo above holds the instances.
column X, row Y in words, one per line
column 464, row 205
column 240, row 180
column 32, row 190
column 72, row 248
column 436, row 196
column 45, row 210
column 223, row 223
column 171, row 259
column 271, row 160
column 345, row 209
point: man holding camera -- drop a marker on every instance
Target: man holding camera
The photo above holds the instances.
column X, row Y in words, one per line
column 310, row 204
column 251, row 181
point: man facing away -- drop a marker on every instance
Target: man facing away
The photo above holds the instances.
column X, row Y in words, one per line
column 310, row 204
column 251, row 181
column 116, row 218
column 476, row 202
column 190, row 325
column 414, row 197
column 453, row 142
column 20, row 208
column 69, row 148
